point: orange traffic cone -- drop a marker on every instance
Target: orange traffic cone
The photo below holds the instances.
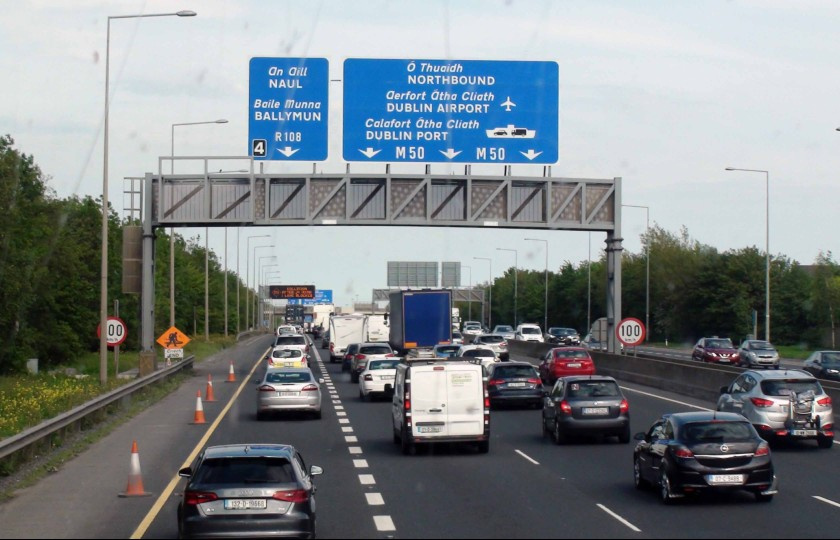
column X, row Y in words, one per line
column 135, row 478
column 231, row 374
column 199, row 410
column 209, row 394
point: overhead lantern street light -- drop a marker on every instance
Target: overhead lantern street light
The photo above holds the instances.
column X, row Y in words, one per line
column 766, row 248
column 647, row 272
column 247, row 277
column 515, row 280
column 258, row 264
column 103, row 291
column 490, row 313
column 545, row 328
column 469, row 291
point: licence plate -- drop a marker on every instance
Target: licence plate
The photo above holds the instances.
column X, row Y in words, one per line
column 596, row 410
column 288, row 394
column 429, row 429
column 804, row 432
column 386, row 378
column 725, row 479
column 517, row 385
column 575, row 365
column 244, row 504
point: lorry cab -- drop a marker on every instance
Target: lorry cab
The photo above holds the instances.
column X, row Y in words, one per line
column 440, row 401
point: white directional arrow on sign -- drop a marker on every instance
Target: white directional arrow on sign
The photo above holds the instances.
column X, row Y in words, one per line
column 288, row 151
column 370, row 152
column 530, row 154
column 450, row 153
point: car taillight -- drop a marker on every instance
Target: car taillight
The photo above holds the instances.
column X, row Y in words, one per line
column 534, row 381
column 309, row 388
column 684, row 453
column 332, row 346
column 360, row 357
column 266, row 388
column 292, row 496
column 368, row 377
column 390, row 355
column 495, row 382
column 762, row 450
column 192, row 498
column 306, row 349
column 827, row 427
column 825, row 402
column 761, row 402
column 624, row 407
column 565, row 407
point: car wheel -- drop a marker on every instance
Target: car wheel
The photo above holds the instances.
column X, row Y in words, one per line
column 665, row 492
column 484, row 447
column 260, row 416
column 825, row 443
column 776, row 366
column 318, row 414
column 557, row 434
column 639, row 482
column 545, row 431
column 408, row 447
column 624, row 436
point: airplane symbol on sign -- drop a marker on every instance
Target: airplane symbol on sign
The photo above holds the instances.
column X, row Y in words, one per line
column 508, row 104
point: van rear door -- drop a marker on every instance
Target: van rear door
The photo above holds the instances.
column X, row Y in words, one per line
column 428, row 401
column 465, row 408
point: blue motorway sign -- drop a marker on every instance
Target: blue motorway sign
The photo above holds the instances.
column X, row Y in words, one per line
column 459, row 111
column 322, row 296
column 288, row 109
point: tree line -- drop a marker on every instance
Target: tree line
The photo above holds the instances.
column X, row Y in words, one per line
column 50, row 251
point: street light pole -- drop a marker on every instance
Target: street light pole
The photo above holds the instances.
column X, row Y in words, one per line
column 469, row 293
column 247, row 276
column 490, row 312
column 172, row 229
column 258, row 261
column 263, row 299
column 766, row 248
column 545, row 328
column 515, row 280
column 103, row 288
column 647, row 272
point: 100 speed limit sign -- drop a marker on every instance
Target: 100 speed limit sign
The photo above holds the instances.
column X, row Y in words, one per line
column 631, row 332
column 115, row 332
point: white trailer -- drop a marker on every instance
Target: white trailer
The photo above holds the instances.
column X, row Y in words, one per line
column 344, row 330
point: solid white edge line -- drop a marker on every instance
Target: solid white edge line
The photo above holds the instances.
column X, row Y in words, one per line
column 665, row 399
column 619, row 518
column 384, row 523
column 827, row 501
column 535, row 462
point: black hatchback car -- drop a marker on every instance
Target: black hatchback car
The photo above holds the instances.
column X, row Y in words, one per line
column 694, row 452
column 514, row 383
column 248, row 490
column 586, row 405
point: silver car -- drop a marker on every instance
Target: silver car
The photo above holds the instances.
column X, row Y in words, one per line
column 787, row 404
column 496, row 343
column 288, row 389
column 758, row 353
column 504, row 330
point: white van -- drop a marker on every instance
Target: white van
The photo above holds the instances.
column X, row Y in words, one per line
column 344, row 330
column 377, row 329
column 529, row 332
column 440, row 400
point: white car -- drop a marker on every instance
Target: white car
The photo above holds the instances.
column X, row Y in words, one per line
column 529, row 332
column 285, row 329
column 378, row 378
column 292, row 341
column 472, row 331
column 485, row 354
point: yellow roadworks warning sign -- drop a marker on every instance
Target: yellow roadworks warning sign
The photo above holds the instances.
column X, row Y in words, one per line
column 173, row 339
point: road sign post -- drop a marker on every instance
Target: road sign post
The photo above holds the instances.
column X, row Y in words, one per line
column 451, row 111
column 630, row 332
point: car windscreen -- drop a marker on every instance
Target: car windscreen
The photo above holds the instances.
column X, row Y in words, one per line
column 719, row 344
column 288, row 377
column 514, row 372
column 492, row 339
column 476, row 353
column 530, row 330
column 786, row 387
column 831, row 359
column 504, row 329
column 592, row 389
column 561, row 331
column 717, row 431
column 290, row 340
column 375, row 349
column 571, row 354
column 383, row 364
column 761, row 346
column 286, row 353
column 250, row 470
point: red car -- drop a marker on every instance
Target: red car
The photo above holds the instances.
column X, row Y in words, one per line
column 715, row 350
column 565, row 361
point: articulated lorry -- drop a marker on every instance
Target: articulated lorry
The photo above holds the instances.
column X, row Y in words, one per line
column 419, row 320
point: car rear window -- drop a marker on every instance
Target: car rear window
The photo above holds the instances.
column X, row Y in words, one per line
column 286, row 353
column 383, row 364
column 492, row 339
column 527, row 330
column 378, row 349
column 586, row 389
column 571, row 354
column 287, row 377
column 514, row 372
column 476, row 353
column 290, row 340
column 785, row 387
column 250, row 470
column 717, row 431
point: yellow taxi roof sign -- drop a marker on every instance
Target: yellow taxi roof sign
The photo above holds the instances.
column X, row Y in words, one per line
column 173, row 339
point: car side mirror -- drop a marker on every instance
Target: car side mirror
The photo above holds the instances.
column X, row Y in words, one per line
column 315, row 470
column 186, row 472
column 724, row 390
column 641, row 436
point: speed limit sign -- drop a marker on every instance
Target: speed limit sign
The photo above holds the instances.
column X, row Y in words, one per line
column 631, row 332
column 115, row 331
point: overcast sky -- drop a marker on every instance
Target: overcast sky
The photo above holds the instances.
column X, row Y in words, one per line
column 665, row 95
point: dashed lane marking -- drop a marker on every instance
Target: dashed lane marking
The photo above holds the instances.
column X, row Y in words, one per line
column 665, row 399
column 360, row 463
column 535, row 462
column 367, row 479
column 384, row 523
column 619, row 518
column 355, row 449
column 827, row 501
column 374, row 499
column 351, row 438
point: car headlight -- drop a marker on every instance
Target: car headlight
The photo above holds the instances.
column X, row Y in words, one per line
column 832, row 371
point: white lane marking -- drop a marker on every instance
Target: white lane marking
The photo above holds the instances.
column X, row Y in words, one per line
column 360, row 463
column 355, row 449
column 343, row 421
column 374, row 499
column 619, row 518
column 665, row 399
column 367, row 479
column 336, row 402
column 827, row 501
column 351, row 438
column 339, row 407
column 384, row 523
column 347, row 429
column 340, row 413
column 535, row 462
